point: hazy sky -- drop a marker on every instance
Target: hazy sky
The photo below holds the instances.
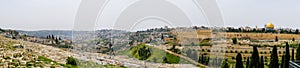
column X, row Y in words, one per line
column 60, row 14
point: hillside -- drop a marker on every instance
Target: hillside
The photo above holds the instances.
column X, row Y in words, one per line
column 18, row 53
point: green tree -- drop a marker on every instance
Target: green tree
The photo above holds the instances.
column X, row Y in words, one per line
column 293, row 39
column 131, row 42
column 293, row 54
column 56, row 41
column 200, row 59
column 254, row 58
column 287, row 55
column 52, row 37
column 282, row 61
column 234, row 40
column 262, row 65
column 274, row 58
column 298, row 53
column 297, row 31
column 239, row 62
column 144, row 53
column 276, row 39
column 141, row 52
column 47, row 37
column 248, row 63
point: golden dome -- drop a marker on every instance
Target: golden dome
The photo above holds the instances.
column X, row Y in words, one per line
column 270, row 25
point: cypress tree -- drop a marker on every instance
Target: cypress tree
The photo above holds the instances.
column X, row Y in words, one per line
column 248, row 63
column 293, row 54
column 297, row 31
column 52, row 37
column 293, row 39
column 47, row 37
column 298, row 53
column 262, row 62
column 234, row 40
column 56, row 41
column 254, row 58
column 274, row 58
column 239, row 62
column 276, row 39
column 207, row 60
column 282, row 62
column 287, row 55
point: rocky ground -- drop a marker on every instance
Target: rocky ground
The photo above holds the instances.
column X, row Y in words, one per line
column 15, row 53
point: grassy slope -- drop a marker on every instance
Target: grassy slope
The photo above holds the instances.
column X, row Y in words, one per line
column 158, row 54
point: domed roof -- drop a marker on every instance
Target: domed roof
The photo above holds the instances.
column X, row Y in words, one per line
column 270, row 25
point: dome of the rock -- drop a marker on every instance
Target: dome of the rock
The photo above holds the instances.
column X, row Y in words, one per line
column 270, row 26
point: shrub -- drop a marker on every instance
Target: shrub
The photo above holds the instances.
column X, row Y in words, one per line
column 71, row 61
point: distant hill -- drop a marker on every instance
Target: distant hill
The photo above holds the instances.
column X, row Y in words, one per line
column 65, row 34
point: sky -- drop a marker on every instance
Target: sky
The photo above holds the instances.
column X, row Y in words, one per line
column 61, row 14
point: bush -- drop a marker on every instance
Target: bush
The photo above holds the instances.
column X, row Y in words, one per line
column 71, row 61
